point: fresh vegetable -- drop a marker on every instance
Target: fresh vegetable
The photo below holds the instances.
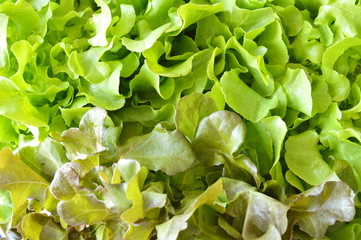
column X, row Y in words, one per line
column 174, row 119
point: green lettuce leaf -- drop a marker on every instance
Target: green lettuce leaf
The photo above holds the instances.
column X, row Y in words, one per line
column 4, row 54
column 337, row 53
column 243, row 99
column 146, row 115
column 38, row 226
column 21, row 181
column 147, row 37
column 350, row 231
column 265, row 153
column 252, row 56
column 135, row 176
column 100, row 22
column 23, row 15
column 306, row 45
column 345, row 150
column 190, row 111
column 87, row 64
column 16, row 105
column 304, row 158
column 148, row 79
column 156, row 149
column 45, row 159
column 297, row 87
column 171, row 228
column 126, row 21
column 6, row 211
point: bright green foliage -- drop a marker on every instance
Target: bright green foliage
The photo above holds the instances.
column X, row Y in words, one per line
column 6, row 211
column 180, row 119
column 304, row 146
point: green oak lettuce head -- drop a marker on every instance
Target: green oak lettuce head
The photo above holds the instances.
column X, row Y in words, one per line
column 178, row 119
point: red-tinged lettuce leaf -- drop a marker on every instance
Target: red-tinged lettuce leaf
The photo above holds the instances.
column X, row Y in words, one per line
column 262, row 213
column 258, row 213
column 218, row 136
column 272, row 233
column 251, row 213
column 320, row 207
column 66, row 182
column 233, row 188
column 218, row 140
column 242, row 168
column 87, row 139
column 82, row 209
column 96, row 134
column 21, row 181
column 110, row 188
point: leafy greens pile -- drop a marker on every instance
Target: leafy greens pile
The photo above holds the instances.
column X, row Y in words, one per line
column 175, row 119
